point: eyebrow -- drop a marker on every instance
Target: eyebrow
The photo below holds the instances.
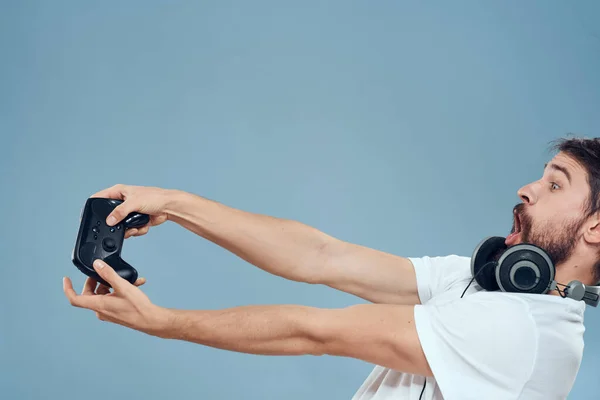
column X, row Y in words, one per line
column 560, row 169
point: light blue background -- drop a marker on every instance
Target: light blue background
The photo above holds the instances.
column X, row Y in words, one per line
column 404, row 126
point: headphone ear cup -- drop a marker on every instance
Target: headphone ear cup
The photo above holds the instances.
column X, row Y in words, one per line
column 485, row 260
column 525, row 268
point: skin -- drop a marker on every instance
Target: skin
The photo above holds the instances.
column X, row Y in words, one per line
column 552, row 216
column 382, row 333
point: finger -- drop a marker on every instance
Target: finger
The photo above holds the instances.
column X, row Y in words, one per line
column 130, row 232
column 89, row 287
column 120, row 212
column 140, row 282
column 105, row 317
column 157, row 219
column 102, row 317
column 142, row 231
column 115, row 192
column 107, row 273
column 90, row 302
column 102, row 289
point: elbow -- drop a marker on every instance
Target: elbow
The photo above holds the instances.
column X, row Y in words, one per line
column 338, row 333
column 325, row 333
column 323, row 262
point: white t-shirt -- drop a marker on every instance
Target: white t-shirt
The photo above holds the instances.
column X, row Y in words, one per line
column 487, row 345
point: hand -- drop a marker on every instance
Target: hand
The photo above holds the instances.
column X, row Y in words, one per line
column 146, row 200
column 127, row 305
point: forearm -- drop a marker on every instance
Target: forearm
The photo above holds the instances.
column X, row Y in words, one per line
column 282, row 247
column 381, row 334
column 267, row 330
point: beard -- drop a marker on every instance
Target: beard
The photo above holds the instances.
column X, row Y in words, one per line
column 557, row 239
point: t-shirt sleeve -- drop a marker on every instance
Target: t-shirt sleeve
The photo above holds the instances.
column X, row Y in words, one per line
column 436, row 274
column 481, row 346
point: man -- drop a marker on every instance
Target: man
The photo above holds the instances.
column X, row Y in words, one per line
column 425, row 340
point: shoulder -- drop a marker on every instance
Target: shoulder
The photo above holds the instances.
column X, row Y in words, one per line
column 475, row 341
column 446, row 261
column 436, row 274
column 452, row 265
column 495, row 313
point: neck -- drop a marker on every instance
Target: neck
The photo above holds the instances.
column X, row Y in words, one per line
column 576, row 268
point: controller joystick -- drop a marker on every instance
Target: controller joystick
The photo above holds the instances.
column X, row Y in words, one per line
column 97, row 240
column 109, row 244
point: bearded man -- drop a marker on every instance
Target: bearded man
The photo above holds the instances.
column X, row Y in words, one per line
column 428, row 337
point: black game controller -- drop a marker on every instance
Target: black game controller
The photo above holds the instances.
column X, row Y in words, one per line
column 98, row 240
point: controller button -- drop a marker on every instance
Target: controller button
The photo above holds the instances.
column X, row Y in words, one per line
column 95, row 229
column 95, row 236
column 98, row 223
column 112, row 229
column 119, row 227
column 109, row 244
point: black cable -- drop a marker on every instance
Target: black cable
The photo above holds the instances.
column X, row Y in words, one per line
column 423, row 391
column 559, row 292
column 472, row 279
column 461, row 296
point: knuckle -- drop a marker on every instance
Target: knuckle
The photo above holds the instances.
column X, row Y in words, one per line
column 121, row 211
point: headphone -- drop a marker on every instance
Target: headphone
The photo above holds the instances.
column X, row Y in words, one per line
column 522, row 268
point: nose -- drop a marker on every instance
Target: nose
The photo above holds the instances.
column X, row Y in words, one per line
column 528, row 193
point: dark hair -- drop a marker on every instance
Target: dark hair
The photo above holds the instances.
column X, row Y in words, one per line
column 586, row 152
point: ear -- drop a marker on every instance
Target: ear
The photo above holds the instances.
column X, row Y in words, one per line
column 592, row 229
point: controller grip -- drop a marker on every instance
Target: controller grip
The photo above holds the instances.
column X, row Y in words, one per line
column 136, row 220
column 121, row 267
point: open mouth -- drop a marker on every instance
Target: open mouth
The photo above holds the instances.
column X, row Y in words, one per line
column 517, row 223
column 515, row 233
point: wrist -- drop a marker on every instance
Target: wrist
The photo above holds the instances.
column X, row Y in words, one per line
column 176, row 201
column 191, row 211
column 163, row 323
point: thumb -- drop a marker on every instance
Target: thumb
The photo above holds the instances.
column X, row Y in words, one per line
column 107, row 273
column 119, row 213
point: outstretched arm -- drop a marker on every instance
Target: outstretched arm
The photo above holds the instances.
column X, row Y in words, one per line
column 283, row 247
column 299, row 252
column 376, row 333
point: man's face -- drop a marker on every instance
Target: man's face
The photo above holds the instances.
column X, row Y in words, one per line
column 552, row 213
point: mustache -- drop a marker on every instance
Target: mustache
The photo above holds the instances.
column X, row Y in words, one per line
column 519, row 209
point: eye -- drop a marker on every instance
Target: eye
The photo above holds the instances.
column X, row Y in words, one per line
column 554, row 186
